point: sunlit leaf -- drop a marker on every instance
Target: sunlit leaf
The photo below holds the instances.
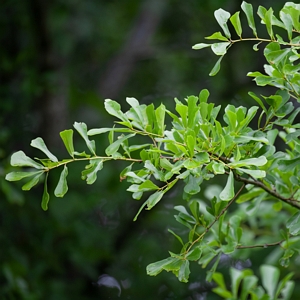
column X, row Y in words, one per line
column 236, row 22
column 217, row 36
column 67, row 137
column 220, row 48
column 222, row 17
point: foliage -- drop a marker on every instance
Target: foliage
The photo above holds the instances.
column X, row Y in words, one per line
column 202, row 143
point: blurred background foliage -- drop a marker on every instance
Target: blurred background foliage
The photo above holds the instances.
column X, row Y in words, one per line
column 59, row 61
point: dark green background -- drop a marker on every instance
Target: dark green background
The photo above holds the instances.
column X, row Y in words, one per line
column 59, row 61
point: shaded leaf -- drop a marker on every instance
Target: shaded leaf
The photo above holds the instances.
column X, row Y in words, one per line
column 46, row 197
column 31, row 183
column 62, row 186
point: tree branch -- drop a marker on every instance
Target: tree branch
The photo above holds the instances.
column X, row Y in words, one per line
column 291, row 201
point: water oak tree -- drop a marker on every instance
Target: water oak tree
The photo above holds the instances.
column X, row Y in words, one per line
column 258, row 206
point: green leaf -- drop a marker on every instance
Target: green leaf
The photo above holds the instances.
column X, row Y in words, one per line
column 96, row 131
column 258, row 101
column 148, row 185
column 194, row 254
column 15, row 176
column 184, row 271
column 155, row 268
column 257, row 161
column 217, row 36
column 31, row 183
column 114, row 147
column 160, row 113
column 40, row 144
column 19, row 159
column 177, row 237
column 90, row 174
column 288, row 23
column 82, row 130
column 248, row 10
column 222, row 17
column 293, row 224
column 46, row 197
column 193, row 185
column 253, row 173
column 216, row 67
column 200, row 46
column 203, row 96
column 228, row 192
column 114, row 109
column 67, row 137
column 236, row 22
column 62, row 186
column 154, row 199
column 220, row 48
column 269, row 277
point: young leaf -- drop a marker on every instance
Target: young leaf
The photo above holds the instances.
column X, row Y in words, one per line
column 222, row 17
column 154, row 199
column 19, row 159
column 67, row 137
column 236, row 22
column 203, row 96
column 46, row 197
column 217, row 36
column 228, row 192
column 82, row 130
column 40, row 144
column 62, row 186
column 248, row 10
